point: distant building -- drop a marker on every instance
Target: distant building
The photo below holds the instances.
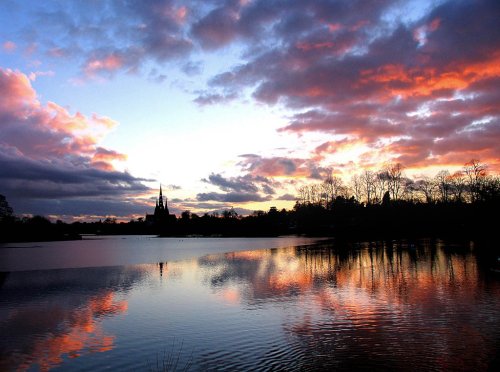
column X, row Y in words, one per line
column 161, row 215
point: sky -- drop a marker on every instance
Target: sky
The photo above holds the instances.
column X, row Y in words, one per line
column 236, row 103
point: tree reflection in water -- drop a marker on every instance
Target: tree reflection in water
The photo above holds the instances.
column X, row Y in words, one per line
column 373, row 305
column 382, row 305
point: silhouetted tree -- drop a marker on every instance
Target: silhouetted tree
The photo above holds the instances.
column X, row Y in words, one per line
column 458, row 186
column 476, row 174
column 368, row 185
column 357, row 186
column 229, row 213
column 331, row 187
column 6, row 212
column 394, row 174
column 381, row 185
column 427, row 188
column 386, row 199
column 442, row 180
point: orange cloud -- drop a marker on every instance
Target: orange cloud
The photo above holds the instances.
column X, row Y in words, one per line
column 400, row 80
column 82, row 334
column 103, row 154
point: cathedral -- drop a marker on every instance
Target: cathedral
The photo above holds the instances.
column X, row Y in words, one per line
column 161, row 214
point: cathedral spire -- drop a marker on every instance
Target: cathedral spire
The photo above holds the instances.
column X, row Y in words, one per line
column 161, row 199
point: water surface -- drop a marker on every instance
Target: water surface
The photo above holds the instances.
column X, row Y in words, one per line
column 425, row 305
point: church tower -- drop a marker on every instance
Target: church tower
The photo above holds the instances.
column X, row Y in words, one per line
column 161, row 214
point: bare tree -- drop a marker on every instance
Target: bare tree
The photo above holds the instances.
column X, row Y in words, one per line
column 476, row 174
column 458, row 184
column 315, row 194
column 357, row 186
column 410, row 190
column 381, row 185
column 302, row 198
column 427, row 188
column 331, row 186
column 368, row 184
column 395, row 178
column 443, row 185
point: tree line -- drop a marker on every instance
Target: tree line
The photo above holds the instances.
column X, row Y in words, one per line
column 373, row 204
column 471, row 184
column 388, row 204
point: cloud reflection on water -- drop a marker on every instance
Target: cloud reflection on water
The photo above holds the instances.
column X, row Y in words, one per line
column 53, row 315
column 371, row 302
column 403, row 305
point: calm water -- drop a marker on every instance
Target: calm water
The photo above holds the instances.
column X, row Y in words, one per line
column 270, row 304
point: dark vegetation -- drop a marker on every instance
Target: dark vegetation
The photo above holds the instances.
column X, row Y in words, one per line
column 383, row 204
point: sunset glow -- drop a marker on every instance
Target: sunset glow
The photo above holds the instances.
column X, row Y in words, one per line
column 236, row 103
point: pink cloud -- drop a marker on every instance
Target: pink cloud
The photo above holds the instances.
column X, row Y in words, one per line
column 103, row 158
column 280, row 167
column 305, row 46
column 107, row 64
column 51, row 160
column 420, row 33
column 34, row 75
column 9, row 46
column 181, row 14
column 45, row 131
column 333, row 147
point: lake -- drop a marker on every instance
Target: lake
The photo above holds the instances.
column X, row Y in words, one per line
column 146, row 303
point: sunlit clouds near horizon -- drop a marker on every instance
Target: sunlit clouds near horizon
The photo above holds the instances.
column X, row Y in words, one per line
column 236, row 103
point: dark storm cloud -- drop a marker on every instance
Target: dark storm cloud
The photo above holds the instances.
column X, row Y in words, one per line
column 38, row 179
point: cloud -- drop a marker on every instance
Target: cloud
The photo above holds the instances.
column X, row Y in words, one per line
column 210, row 98
column 192, row 68
column 242, row 189
column 51, row 157
column 232, row 197
column 173, row 187
column 405, row 82
column 107, row 64
column 34, row 75
column 9, row 46
column 122, row 36
column 370, row 77
column 288, row 197
column 281, row 167
column 238, row 184
column 103, row 158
